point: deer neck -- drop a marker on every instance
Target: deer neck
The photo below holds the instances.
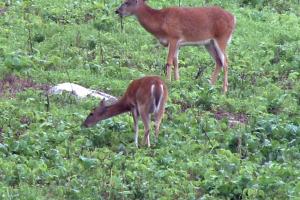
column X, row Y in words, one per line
column 116, row 109
column 149, row 18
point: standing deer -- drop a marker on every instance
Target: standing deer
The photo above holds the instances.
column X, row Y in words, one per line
column 175, row 27
column 143, row 97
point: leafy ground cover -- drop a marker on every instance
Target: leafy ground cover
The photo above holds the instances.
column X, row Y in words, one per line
column 245, row 145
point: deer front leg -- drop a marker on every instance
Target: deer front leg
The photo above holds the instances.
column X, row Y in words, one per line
column 175, row 62
column 171, row 54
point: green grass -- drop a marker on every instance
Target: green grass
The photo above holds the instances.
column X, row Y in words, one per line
column 47, row 155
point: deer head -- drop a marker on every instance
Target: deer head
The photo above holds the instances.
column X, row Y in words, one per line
column 96, row 115
column 129, row 7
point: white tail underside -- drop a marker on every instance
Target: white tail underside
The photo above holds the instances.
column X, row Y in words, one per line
column 157, row 107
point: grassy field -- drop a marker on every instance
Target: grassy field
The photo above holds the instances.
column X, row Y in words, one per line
column 253, row 150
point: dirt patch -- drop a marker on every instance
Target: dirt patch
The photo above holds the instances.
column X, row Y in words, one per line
column 25, row 120
column 88, row 17
column 10, row 85
column 184, row 105
column 2, row 11
column 233, row 118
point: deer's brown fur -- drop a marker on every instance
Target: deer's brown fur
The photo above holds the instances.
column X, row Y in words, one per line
column 177, row 26
column 142, row 98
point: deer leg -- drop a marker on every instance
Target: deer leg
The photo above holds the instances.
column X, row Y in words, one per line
column 158, row 117
column 215, row 74
column 212, row 49
column 146, row 121
column 171, row 54
column 175, row 62
column 221, row 44
column 135, row 115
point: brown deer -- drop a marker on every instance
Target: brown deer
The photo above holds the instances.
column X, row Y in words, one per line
column 175, row 27
column 143, row 97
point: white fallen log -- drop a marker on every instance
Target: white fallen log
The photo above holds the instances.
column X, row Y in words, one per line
column 79, row 91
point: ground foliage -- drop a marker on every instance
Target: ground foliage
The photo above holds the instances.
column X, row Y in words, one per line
column 254, row 131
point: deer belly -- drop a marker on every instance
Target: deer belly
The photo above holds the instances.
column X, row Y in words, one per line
column 194, row 43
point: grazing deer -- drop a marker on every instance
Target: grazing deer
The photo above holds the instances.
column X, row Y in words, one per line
column 175, row 27
column 143, row 97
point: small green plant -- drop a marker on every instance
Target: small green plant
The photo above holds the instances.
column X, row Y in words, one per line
column 242, row 145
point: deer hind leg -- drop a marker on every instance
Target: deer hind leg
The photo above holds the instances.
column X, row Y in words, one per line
column 170, row 59
column 146, row 121
column 222, row 45
column 217, row 50
column 135, row 115
column 217, row 55
column 157, row 120
column 175, row 62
